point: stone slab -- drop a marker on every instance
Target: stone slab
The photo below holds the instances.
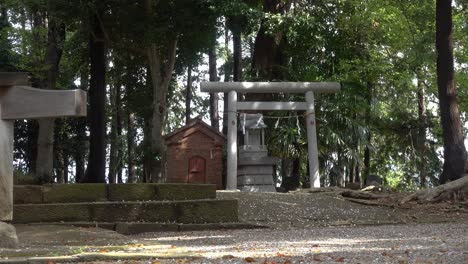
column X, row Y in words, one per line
column 255, row 179
column 71, row 193
column 138, row 228
column 259, row 161
column 174, row 192
column 253, row 148
column 8, row 238
column 27, row 194
column 132, row 192
column 244, row 170
column 217, row 226
column 196, row 211
column 98, row 192
column 249, row 154
column 215, row 211
column 257, row 188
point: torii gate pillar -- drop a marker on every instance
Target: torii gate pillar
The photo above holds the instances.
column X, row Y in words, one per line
column 19, row 101
column 308, row 88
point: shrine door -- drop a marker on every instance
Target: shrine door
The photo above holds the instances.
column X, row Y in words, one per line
column 196, row 170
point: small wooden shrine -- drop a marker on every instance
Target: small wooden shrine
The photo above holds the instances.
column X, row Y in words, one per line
column 195, row 154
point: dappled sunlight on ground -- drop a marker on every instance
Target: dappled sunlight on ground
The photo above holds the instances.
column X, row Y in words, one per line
column 433, row 243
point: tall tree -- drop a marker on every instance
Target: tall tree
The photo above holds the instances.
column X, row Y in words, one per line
column 97, row 95
column 45, row 139
column 454, row 147
column 130, row 146
column 161, row 65
column 115, row 152
column 188, row 95
column 214, row 114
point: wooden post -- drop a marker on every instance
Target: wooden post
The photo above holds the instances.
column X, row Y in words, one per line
column 22, row 102
column 231, row 181
column 312, row 142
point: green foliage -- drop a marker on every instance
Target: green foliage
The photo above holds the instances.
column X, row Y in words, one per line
column 378, row 50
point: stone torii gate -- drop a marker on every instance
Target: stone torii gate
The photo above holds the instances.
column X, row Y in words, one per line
column 232, row 88
column 19, row 101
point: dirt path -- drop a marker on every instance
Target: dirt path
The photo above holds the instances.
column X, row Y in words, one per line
column 305, row 228
column 302, row 210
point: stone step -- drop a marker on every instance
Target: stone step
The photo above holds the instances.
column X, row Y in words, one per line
column 131, row 228
column 190, row 212
column 99, row 192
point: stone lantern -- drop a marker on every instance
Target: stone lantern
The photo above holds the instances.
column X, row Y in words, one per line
column 255, row 167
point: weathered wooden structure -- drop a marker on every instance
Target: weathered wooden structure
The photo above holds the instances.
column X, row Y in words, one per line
column 195, row 154
column 19, row 101
column 232, row 88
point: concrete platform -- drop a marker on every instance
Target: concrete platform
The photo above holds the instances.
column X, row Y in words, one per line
column 191, row 211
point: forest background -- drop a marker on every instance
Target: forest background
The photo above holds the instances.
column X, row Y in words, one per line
column 142, row 61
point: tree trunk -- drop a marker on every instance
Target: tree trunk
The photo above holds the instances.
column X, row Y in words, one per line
column 80, row 147
column 97, row 96
column 118, row 121
column 66, row 163
column 214, row 115
column 227, row 74
column 114, row 144
column 357, row 174
column 454, row 148
column 130, row 146
column 116, row 151
column 58, row 161
column 421, row 141
column 456, row 190
column 341, row 182
column 367, row 151
column 160, row 80
column 147, row 156
column 268, row 56
column 237, row 56
column 188, row 95
column 161, row 67
column 45, row 139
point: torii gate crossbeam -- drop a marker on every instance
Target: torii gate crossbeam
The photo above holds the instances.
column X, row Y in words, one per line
column 232, row 88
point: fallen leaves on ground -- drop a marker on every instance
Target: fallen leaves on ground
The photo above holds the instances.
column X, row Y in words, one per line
column 317, row 258
column 342, row 259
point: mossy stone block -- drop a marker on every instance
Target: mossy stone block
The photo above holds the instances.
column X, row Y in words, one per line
column 74, row 193
column 27, row 194
column 132, row 212
column 34, row 213
column 214, row 211
column 177, row 192
column 197, row 211
column 132, row 192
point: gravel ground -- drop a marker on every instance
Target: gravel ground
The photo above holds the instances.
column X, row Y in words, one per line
column 305, row 228
column 420, row 243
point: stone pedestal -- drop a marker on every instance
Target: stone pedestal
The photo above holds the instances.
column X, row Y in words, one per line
column 255, row 169
column 8, row 238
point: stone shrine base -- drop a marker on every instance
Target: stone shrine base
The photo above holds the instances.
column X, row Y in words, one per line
column 255, row 169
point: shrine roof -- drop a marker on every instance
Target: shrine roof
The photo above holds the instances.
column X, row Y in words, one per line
column 202, row 127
